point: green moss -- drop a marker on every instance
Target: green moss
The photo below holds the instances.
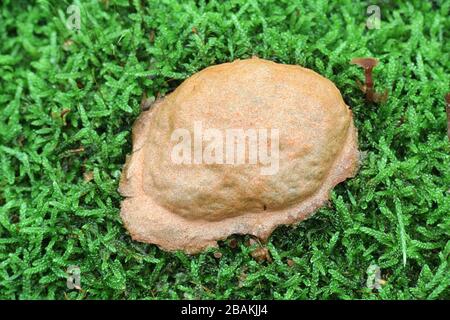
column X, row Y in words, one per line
column 395, row 213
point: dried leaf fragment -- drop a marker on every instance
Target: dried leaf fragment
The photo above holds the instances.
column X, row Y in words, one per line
column 146, row 102
column 88, row 176
column 261, row 254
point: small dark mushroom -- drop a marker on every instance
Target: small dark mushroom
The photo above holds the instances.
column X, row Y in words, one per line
column 368, row 64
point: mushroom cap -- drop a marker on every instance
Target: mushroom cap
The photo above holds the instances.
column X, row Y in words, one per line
column 189, row 206
column 366, row 63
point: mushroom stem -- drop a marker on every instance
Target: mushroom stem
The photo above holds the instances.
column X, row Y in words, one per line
column 369, row 83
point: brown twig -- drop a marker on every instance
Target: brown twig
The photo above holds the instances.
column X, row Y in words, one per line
column 64, row 112
column 447, row 108
column 76, row 150
column 151, row 36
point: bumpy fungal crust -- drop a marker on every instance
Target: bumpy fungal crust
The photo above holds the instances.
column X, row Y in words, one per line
column 190, row 207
